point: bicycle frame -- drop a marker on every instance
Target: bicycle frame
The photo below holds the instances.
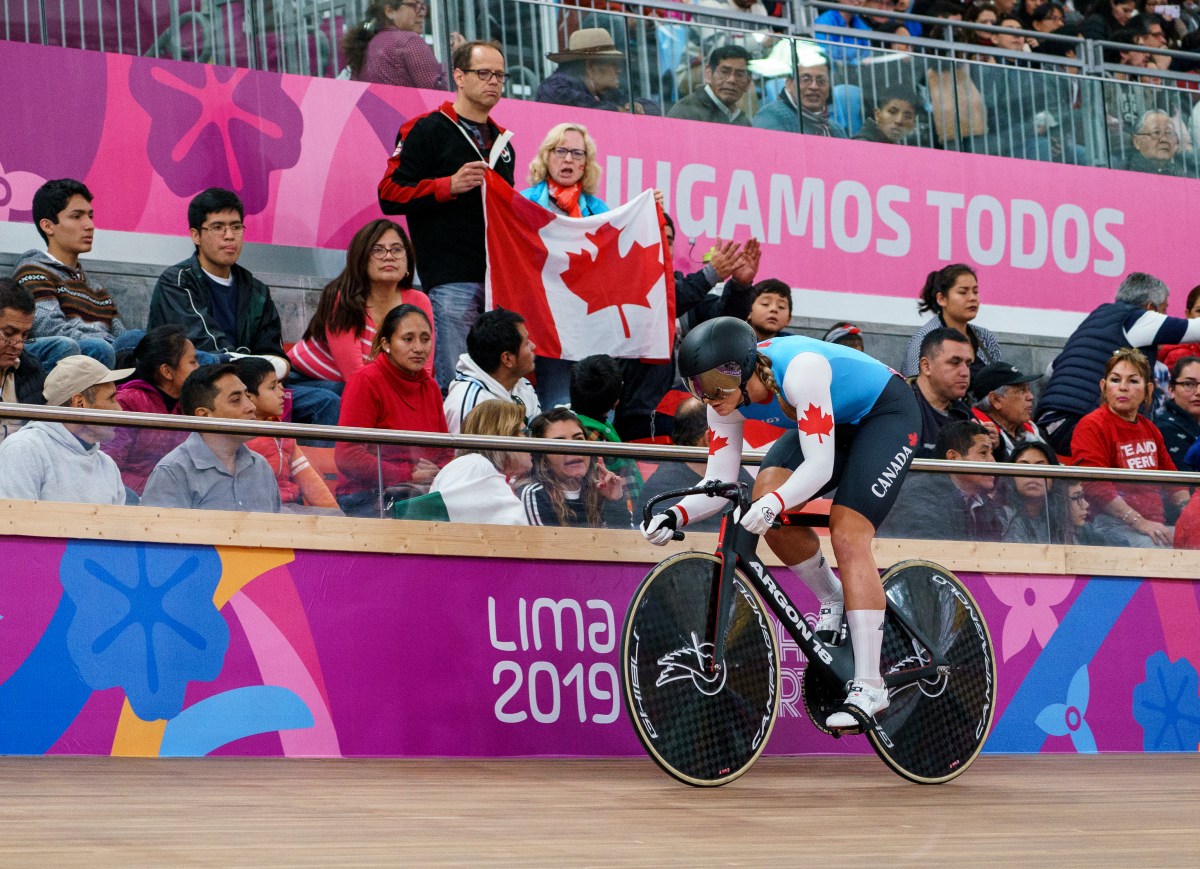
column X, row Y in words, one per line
column 737, row 548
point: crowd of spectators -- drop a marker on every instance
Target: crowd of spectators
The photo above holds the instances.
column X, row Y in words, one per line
column 213, row 347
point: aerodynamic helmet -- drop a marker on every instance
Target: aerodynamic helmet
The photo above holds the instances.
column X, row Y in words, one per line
column 718, row 357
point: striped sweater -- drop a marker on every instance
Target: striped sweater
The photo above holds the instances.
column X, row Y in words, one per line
column 68, row 302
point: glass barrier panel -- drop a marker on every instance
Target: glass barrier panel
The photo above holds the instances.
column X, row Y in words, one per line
column 1150, row 128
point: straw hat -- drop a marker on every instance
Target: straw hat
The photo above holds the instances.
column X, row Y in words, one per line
column 590, row 43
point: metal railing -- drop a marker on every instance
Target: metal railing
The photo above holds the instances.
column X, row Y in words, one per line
column 974, row 97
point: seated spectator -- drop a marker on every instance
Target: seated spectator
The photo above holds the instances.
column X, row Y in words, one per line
column 1169, row 354
column 53, row 461
column 770, row 308
column 73, row 314
column 589, row 75
column 1081, row 531
column 982, row 13
column 726, row 80
column 886, row 24
column 164, row 359
column 646, row 383
column 1116, row 435
column 1036, row 514
column 945, row 375
column 214, row 470
column 1137, row 318
column 573, row 491
column 388, row 47
column 226, row 311
column 894, row 117
column 596, row 385
column 837, row 50
column 1179, row 417
column 846, row 334
column 21, row 375
column 394, row 392
column 299, row 484
column 803, row 104
column 951, row 294
column 1107, row 18
column 474, row 487
column 565, row 178
column 1004, row 400
column 950, row 506
column 378, row 276
column 1156, row 146
column 690, row 429
column 499, row 357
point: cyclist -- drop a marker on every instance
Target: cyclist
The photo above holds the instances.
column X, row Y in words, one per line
column 851, row 424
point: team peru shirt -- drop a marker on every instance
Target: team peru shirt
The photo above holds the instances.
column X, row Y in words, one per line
column 1104, row 440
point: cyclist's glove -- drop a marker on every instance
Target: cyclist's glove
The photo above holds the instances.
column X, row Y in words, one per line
column 762, row 514
column 661, row 528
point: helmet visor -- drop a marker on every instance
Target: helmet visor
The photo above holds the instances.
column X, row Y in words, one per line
column 716, row 383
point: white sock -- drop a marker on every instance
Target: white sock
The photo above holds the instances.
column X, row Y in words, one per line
column 818, row 576
column 866, row 635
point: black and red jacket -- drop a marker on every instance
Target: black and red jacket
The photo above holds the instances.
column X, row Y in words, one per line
column 447, row 231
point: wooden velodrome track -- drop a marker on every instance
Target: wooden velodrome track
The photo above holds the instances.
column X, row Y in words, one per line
column 1044, row 810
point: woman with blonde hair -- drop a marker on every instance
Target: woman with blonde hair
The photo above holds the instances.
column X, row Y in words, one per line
column 1118, row 435
column 474, row 487
column 564, row 173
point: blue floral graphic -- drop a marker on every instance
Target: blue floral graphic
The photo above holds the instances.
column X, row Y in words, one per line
column 1167, row 705
column 1063, row 719
column 145, row 620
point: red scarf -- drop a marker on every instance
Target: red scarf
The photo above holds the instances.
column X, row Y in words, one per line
column 566, row 198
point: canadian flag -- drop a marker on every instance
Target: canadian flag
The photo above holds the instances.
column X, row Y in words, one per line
column 584, row 285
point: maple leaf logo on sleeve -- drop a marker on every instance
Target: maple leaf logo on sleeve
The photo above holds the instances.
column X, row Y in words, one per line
column 606, row 279
column 816, row 422
column 716, row 442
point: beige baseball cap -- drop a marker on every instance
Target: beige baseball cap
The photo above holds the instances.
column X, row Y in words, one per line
column 74, row 374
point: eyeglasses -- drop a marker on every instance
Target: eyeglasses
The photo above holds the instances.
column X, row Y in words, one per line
column 397, row 251
column 574, row 153
column 219, row 229
column 808, row 80
column 1185, row 385
column 1078, row 497
column 1159, row 135
column 724, row 72
column 420, row 7
column 486, row 75
column 14, row 337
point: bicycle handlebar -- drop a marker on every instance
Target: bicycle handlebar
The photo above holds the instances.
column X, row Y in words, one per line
column 739, row 492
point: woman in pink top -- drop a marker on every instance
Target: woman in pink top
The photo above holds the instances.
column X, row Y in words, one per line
column 377, row 278
column 388, row 47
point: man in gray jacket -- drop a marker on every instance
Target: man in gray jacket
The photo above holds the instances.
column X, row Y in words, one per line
column 52, row 461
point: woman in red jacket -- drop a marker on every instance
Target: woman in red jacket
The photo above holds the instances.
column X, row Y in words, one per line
column 164, row 358
column 394, row 391
column 1116, row 435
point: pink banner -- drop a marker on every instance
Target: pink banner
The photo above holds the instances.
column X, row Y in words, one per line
column 306, row 154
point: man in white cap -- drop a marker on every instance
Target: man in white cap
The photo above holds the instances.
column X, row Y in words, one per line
column 52, row 461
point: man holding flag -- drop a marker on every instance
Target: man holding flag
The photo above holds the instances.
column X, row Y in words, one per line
column 434, row 178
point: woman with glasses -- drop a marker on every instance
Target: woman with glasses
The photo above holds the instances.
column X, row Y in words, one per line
column 388, row 47
column 378, row 276
column 475, row 486
column 1179, row 417
column 1117, row 435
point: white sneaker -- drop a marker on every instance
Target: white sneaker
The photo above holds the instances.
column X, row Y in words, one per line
column 869, row 701
column 829, row 623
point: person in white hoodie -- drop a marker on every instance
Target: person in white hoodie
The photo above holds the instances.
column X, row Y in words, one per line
column 498, row 358
column 52, row 461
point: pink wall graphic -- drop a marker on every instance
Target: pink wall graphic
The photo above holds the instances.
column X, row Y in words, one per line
column 306, row 154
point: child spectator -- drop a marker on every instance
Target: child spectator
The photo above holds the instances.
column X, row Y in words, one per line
column 394, row 392
column 378, row 276
column 894, row 118
column 299, row 484
column 1037, row 516
column 475, row 486
column 770, row 308
column 574, row 491
column 596, row 385
column 846, row 334
column 163, row 358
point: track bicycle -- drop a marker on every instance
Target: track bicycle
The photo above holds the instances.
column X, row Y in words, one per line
column 700, row 661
